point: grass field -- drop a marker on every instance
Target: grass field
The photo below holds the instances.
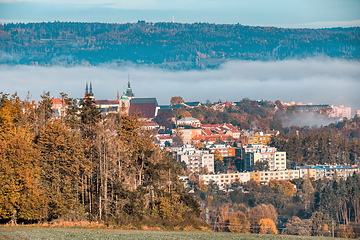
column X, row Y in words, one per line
column 49, row 233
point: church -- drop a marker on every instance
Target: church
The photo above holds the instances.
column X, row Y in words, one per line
column 145, row 108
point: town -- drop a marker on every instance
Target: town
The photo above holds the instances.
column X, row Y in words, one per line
column 241, row 167
column 219, row 153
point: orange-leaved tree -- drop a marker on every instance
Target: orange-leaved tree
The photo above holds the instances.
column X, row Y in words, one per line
column 21, row 196
column 267, row 226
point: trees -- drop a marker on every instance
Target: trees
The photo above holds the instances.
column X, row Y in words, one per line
column 267, row 226
column 21, row 195
column 176, row 100
column 218, row 162
column 165, row 119
column 238, row 223
column 296, row 226
column 321, row 224
column 63, row 165
column 261, row 212
column 261, row 166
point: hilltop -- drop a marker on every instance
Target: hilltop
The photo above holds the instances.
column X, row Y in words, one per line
column 167, row 45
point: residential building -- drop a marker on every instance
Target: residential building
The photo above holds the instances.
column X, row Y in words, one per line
column 340, row 112
column 251, row 155
column 58, row 106
column 327, row 171
column 163, row 140
column 187, row 133
column 225, row 179
column 188, row 121
column 256, row 139
column 226, row 151
column 196, row 160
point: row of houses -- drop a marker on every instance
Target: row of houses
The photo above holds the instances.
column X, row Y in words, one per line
column 316, row 172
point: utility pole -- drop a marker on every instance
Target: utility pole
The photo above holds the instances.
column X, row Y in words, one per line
column 333, row 235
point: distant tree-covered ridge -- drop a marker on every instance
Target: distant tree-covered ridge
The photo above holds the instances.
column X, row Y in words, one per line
column 170, row 45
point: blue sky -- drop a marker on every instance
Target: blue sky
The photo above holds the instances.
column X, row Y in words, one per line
column 281, row 13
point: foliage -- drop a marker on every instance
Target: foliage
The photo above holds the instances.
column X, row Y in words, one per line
column 168, row 45
column 176, row 100
column 261, row 166
column 267, row 226
column 21, row 195
column 239, row 223
column 107, row 168
column 296, row 226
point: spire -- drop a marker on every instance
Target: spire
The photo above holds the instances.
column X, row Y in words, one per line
column 129, row 92
column 118, row 96
column 86, row 89
column 91, row 93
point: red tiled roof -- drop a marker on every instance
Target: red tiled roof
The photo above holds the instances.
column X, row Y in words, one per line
column 106, row 102
column 207, row 132
column 163, row 137
column 57, row 101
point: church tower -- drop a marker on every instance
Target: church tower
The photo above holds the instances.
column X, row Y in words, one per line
column 129, row 93
column 88, row 92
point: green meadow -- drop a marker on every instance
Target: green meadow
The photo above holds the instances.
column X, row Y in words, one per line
column 73, row 233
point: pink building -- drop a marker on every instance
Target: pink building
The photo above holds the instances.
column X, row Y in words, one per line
column 341, row 112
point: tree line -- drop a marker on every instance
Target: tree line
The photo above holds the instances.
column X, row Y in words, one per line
column 86, row 166
column 169, row 45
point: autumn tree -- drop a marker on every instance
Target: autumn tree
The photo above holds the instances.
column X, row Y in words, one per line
column 218, row 161
column 238, row 223
column 44, row 111
column 262, row 211
column 267, row 226
column 21, row 195
column 176, row 100
column 296, row 226
column 63, row 165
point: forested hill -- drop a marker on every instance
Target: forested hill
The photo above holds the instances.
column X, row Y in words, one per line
column 171, row 45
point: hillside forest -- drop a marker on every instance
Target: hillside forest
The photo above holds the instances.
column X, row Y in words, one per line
column 167, row 45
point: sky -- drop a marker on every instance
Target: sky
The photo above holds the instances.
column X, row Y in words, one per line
column 315, row 80
column 280, row 13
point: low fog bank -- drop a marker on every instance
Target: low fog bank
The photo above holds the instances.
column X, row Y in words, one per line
column 310, row 119
column 327, row 81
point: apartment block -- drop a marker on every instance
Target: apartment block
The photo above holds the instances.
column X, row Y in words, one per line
column 196, row 160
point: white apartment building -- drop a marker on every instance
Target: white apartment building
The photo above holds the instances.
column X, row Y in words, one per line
column 225, row 179
column 286, row 175
column 195, row 160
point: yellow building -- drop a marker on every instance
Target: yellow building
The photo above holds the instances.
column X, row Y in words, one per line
column 256, row 139
column 255, row 176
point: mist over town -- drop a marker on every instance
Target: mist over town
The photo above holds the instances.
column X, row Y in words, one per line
column 179, row 120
